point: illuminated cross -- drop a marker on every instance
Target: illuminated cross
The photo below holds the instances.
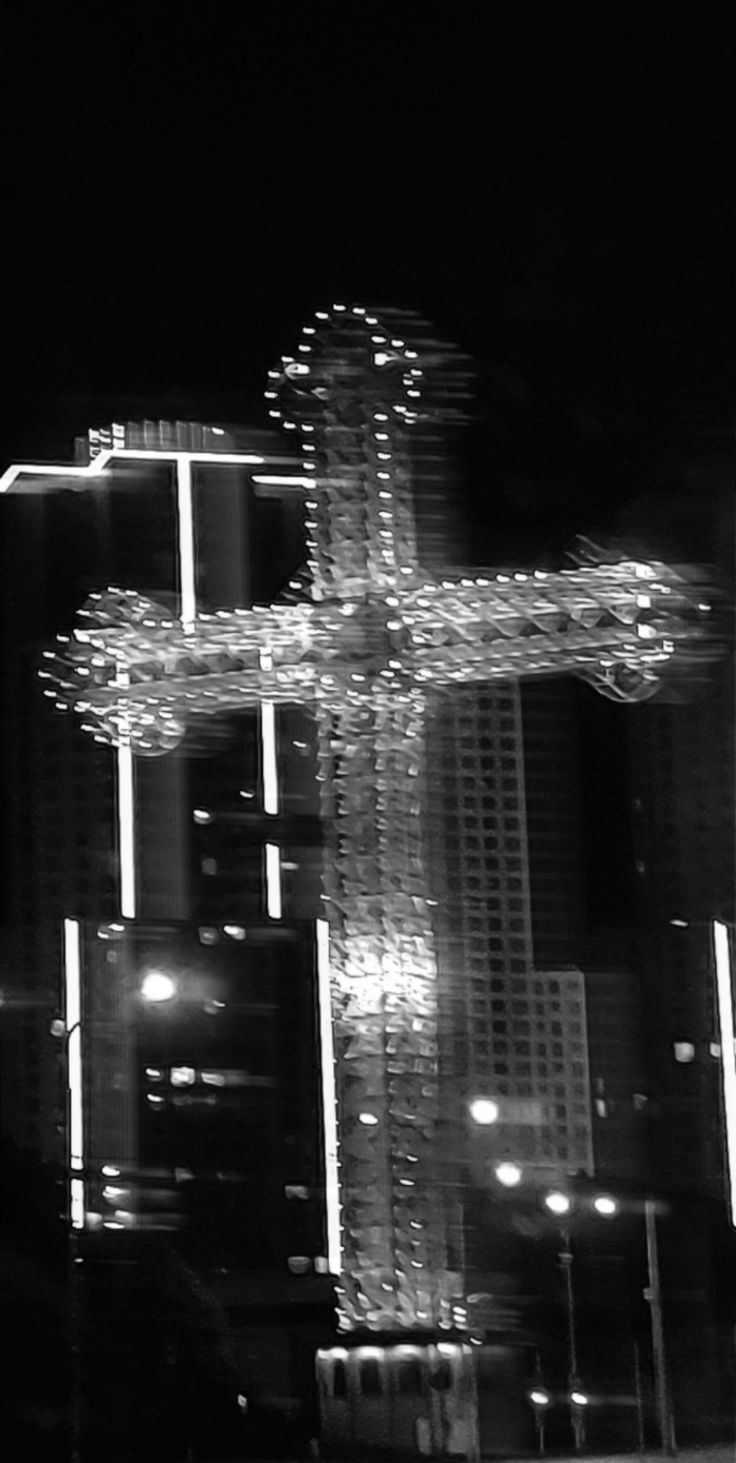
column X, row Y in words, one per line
column 365, row 643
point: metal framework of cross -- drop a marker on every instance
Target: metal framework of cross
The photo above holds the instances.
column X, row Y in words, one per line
column 367, row 639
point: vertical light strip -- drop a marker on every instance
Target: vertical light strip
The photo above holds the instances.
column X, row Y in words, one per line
column 73, row 1019
column 329, row 1098
column 126, row 830
column 268, row 757
column 728, row 1050
column 186, row 541
column 273, row 881
column 268, row 744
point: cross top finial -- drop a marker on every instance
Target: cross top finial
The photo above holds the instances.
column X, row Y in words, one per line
column 356, row 393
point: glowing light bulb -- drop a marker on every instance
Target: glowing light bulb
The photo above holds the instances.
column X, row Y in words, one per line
column 157, row 987
column 484, row 1111
column 557, row 1202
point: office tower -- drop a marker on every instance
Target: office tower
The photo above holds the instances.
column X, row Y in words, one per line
column 518, row 1028
column 682, row 761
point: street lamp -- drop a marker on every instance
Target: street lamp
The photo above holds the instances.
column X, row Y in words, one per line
column 484, row 1111
column 557, row 1202
column 540, row 1400
column 605, row 1205
column 509, row 1174
column 157, row 987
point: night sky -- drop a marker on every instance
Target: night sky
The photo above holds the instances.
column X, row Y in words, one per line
column 558, row 201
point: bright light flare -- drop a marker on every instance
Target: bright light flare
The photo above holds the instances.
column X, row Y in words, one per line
column 484, row 1111
column 508, row 1174
column 157, row 987
column 728, row 1050
column 557, row 1202
column 605, row 1205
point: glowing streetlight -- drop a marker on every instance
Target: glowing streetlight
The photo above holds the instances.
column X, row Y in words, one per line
column 557, row 1202
column 579, row 1399
column 157, row 987
column 605, row 1205
column 508, row 1174
column 540, row 1397
column 484, row 1111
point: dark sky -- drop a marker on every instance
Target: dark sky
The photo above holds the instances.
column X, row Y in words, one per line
column 559, row 202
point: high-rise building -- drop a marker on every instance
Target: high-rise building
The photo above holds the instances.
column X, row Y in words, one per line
column 682, row 766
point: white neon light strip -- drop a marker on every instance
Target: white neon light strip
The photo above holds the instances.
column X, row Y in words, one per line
column 185, row 528
column 728, row 1050
column 273, row 881
column 329, row 1098
column 268, row 757
column 108, row 454
column 281, row 480
column 126, row 822
column 73, row 1018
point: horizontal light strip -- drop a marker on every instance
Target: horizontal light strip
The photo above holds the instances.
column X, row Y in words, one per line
column 329, row 1098
column 110, row 454
column 728, row 1050
column 268, row 758
column 73, row 1018
column 280, row 480
column 273, row 881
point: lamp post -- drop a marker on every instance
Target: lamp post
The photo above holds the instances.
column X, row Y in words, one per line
column 653, row 1296
column 559, row 1204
